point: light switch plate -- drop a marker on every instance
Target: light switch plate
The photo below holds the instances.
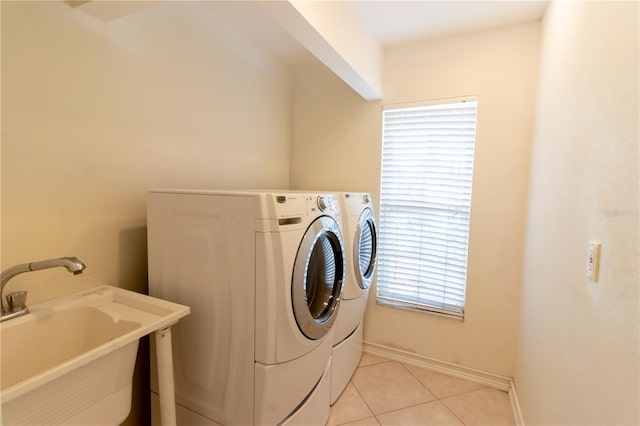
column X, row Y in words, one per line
column 593, row 260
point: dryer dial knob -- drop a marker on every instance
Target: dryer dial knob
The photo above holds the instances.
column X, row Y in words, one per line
column 365, row 199
column 322, row 204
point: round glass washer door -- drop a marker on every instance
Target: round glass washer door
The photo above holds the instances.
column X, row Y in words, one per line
column 318, row 274
column 365, row 249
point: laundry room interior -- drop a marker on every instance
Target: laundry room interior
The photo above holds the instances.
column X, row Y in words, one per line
column 102, row 101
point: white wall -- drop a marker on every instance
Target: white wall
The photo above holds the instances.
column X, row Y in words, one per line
column 94, row 113
column 335, row 134
column 336, row 142
column 579, row 348
column 342, row 26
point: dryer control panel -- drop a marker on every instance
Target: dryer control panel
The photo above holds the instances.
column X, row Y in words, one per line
column 290, row 205
column 293, row 208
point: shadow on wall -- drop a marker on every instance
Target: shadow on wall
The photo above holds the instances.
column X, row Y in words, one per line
column 132, row 274
column 132, row 259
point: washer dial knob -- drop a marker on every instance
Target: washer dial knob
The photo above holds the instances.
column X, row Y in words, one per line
column 322, row 204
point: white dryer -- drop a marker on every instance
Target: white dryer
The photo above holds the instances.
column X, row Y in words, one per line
column 262, row 273
column 360, row 238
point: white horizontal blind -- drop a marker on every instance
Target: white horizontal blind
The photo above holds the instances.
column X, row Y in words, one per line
column 425, row 203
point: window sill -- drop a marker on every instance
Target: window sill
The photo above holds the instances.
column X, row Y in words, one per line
column 443, row 313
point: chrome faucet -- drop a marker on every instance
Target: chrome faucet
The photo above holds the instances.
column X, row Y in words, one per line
column 17, row 300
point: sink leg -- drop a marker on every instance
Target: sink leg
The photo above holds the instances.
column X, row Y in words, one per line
column 165, row 377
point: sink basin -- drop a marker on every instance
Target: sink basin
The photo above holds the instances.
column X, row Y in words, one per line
column 70, row 360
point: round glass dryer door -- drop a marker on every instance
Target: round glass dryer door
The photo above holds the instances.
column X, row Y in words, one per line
column 365, row 248
column 318, row 274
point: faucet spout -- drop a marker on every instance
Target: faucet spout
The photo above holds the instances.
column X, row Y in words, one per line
column 72, row 264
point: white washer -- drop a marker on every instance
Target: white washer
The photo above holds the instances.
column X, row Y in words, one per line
column 360, row 237
column 262, row 273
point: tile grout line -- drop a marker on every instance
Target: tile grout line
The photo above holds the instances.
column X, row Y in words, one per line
column 375, row 415
column 408, row 406
column 420, row 381
column 451, row 411
column 466, row 392
column 448, row 396
column 437, row 397
column 413, row 405
column 377, row 363
column 362, row 398
column 443, row 367
column 360, row 395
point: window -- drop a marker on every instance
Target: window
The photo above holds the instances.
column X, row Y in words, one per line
column 425, row 204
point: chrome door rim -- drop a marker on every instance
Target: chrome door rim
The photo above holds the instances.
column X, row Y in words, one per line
column 365, row 219
column 311, row 327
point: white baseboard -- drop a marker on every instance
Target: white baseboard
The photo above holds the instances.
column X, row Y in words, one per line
column 488, row 379
column 515, row 405
column 455, row 370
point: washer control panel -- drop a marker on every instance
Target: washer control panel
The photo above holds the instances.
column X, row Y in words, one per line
column 357, row 200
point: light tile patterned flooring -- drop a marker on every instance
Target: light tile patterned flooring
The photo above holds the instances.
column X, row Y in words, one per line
column 383, row 392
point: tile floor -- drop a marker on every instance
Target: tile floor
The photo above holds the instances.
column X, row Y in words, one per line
column 383, row 392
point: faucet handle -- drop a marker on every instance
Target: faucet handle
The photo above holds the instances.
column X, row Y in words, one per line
column 17, row 300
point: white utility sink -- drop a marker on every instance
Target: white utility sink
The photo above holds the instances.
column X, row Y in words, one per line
column 70, row 360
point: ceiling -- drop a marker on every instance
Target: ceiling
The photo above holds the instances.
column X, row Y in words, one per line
column 392, row 22
column 399, row 22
